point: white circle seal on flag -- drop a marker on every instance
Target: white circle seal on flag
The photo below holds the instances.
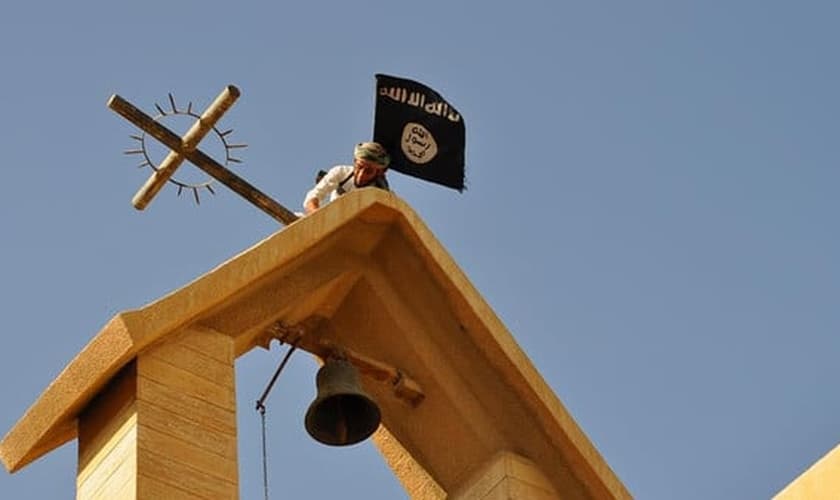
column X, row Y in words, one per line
column 418, row 144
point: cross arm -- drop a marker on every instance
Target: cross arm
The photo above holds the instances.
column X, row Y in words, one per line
column 201, row 160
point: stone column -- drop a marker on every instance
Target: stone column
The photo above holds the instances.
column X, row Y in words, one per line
column 165, row 426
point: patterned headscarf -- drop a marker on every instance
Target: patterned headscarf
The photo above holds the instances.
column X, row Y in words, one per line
column 372, row 151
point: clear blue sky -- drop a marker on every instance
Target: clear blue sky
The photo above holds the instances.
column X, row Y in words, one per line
column 652, row 209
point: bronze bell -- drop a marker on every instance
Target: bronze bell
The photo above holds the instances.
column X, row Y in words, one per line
column 342, row 414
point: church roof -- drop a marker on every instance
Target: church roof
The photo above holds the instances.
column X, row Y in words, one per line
column 390, row 291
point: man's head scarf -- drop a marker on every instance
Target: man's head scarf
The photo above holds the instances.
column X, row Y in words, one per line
column 372, row 151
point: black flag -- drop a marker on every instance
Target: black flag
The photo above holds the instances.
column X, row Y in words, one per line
column 423, row 133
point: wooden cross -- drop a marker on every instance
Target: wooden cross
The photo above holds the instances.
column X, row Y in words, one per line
column 186, row 147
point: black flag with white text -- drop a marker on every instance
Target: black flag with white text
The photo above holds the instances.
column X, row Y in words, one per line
column 423, row 133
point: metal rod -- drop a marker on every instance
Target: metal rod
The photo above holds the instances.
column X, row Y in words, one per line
column 261, row 401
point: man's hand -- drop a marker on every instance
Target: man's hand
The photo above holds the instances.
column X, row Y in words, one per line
column 311, row 205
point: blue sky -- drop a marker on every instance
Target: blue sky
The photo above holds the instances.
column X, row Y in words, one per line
column 651, row 209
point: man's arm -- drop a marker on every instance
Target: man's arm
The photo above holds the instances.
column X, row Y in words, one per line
column 327, row 184
column 310, row 205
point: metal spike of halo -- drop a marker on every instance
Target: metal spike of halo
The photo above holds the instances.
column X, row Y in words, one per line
column 221, row 135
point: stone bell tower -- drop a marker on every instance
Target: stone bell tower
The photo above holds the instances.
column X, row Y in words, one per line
column 464, row 413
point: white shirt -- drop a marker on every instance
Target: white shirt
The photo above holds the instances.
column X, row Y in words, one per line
column 329, row 184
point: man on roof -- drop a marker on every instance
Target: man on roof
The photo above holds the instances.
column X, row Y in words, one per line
column 370, row 162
